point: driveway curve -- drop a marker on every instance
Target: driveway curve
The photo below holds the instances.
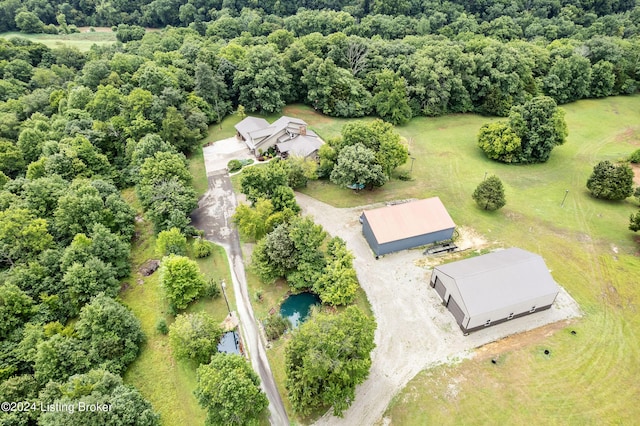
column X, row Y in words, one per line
column 414, row 330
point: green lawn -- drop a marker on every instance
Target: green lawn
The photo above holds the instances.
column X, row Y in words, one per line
column 82, row 41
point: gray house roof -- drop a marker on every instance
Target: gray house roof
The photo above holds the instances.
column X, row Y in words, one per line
column 249, row 125
column 258, row 133
column 492, row 281
column 301, row 146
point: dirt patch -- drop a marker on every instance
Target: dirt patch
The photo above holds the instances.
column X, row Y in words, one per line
column 521, row 340
column 636, row 174
column 630, row 135
column 97, row 29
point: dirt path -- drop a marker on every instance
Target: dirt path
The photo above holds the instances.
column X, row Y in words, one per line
column 414, row 330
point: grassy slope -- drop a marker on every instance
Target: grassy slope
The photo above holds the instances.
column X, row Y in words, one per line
column 82, row 41
column 585, row 243
column 167, row 383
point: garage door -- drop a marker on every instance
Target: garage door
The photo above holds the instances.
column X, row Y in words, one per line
column 440, row 288
column 455, row 310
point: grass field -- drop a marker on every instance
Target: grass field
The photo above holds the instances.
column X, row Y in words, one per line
column 81, row 41
column 589, row 378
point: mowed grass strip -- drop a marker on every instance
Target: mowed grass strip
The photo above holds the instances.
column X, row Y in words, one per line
column 81, row 41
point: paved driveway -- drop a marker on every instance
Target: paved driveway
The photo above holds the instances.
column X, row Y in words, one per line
column 213, row 216
column 414, row 330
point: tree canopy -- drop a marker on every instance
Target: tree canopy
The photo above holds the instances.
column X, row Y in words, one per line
column 528, row 136
column 230, row 391
column 611, row 182
column 489, row 194
column 326, row 358
column 181, row 279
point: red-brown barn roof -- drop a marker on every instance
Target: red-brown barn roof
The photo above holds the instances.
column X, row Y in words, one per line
column 400, row 221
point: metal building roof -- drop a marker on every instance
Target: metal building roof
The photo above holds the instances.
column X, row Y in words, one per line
column 400, row 221
column 499, row 279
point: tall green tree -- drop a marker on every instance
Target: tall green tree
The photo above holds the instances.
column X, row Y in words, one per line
column 611, row 182
column 357, row 165
column 326, row 358
column 334, row 90
column 127, row 407
column 22, row 236
column 540, row 125
column 390, row 98
column 489, row 194
column 176, row 132
column 195, row 337
column 338, row 283
column 111, row 333
column 181, row 279
column 262, row 81
column 15, row 308
column 230, row 391
column 253, row 222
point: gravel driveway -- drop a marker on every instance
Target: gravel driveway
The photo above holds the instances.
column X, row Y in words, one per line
column 414, row 330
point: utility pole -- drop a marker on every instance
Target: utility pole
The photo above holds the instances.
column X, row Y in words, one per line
column 224, row 293
column 566, row 191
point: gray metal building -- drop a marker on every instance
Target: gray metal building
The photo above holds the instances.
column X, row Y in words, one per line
column 407, row 225
column 493, row 288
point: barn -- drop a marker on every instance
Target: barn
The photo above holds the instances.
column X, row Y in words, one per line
column 496, row 287
column 402, row 226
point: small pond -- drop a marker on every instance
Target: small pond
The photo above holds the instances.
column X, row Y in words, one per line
column 297, row 307
column 229, row 343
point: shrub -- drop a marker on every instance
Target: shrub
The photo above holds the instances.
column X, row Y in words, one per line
column 202, row 248
column 234, row 165
column 611, row 182
column 211, row 289
column 635, row 157
column 171, row 242
column 404, row 175
column 275, row 326
column 162, row 327
column 490, row 194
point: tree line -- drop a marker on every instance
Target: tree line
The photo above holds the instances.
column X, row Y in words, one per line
column 550, row 18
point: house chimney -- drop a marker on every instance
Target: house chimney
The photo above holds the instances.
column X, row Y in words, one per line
column 303, row 130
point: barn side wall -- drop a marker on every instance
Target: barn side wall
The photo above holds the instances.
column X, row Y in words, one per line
column 517, row 309
column 523, row 314
column 417, row 241
column 368, row 235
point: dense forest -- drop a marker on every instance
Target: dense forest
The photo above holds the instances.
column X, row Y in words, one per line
column 360, row 17
column 76, row 127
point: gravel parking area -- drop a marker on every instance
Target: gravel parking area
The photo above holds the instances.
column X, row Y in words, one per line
column 414, row 330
